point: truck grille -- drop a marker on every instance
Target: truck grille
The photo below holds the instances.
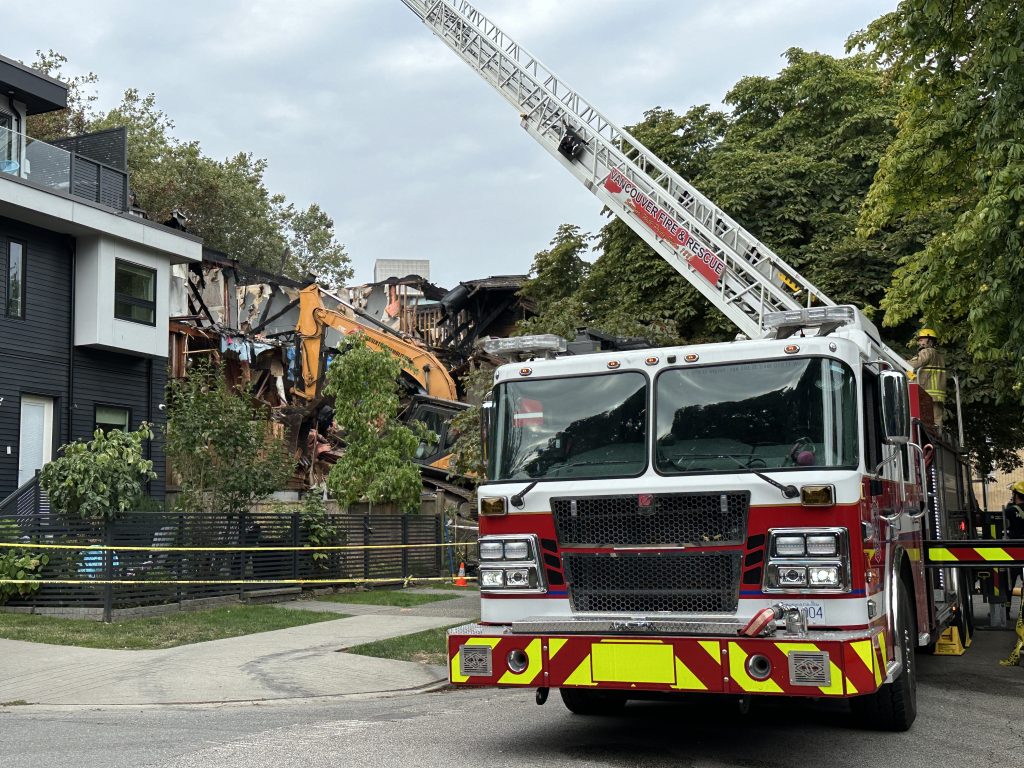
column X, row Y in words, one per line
column 687, row 582
column 671, row 519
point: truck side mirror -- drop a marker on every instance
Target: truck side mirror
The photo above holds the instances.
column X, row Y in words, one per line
column 895, row 408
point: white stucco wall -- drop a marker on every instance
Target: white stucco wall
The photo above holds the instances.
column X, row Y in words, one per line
column 95, row 324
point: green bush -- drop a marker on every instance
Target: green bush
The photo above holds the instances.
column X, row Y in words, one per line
column 18, row 564
column 101, row 479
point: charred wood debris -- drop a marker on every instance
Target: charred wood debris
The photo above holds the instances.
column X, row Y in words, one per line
column 245, row 319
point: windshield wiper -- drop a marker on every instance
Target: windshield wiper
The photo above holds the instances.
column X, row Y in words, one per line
column 788, row 491
column 593, row 463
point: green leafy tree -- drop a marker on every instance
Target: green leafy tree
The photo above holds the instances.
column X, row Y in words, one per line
column 955, row 173
column 77, row 116
column 312, row 248
column 378, row 461
column 100, row 479
column 221, row 445
column 467, row 450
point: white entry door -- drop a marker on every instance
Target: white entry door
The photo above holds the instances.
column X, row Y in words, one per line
column 35, row 442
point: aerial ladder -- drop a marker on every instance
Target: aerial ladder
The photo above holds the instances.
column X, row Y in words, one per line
column 736, row 272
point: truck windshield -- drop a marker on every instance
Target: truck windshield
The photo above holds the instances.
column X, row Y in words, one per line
column 798, row 414
column 580, row 426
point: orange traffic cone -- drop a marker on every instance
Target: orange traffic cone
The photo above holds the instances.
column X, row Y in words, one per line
column 460, row 580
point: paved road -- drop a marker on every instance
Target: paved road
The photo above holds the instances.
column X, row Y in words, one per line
column 971, row 715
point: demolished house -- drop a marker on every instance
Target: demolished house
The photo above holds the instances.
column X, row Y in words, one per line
column 276, row 336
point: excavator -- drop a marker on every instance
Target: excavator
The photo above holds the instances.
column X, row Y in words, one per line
column 423, row 373
column 432, row 394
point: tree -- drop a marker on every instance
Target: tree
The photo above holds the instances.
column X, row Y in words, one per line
column 378, row 461
column 468, row 450
column 312, row 248
column 957, row 165
column 77, row 116
column 100, row 479
column 221, row 445
column 791, row 163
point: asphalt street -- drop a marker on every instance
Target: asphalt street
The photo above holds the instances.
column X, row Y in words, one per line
column 970, row 715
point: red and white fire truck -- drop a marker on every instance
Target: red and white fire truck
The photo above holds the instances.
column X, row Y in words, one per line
column 746, row 518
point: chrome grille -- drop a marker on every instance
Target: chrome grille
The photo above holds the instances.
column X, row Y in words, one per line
column 671, row 519
column 690, row 582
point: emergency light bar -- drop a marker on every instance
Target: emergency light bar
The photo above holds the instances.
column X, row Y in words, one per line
column 546, row 345
column 811, row 316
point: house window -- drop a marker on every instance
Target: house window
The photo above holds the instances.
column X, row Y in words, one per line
column 15, row 279
column 134, row 293
column 7, row 137
column 109, row 418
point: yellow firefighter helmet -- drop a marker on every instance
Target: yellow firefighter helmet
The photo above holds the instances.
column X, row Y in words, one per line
column 1018, row 487
column 927, row 333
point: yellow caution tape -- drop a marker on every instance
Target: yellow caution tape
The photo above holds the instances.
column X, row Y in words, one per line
column 127, row 548
column 227, row 581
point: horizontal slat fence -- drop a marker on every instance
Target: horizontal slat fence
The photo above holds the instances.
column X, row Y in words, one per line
column 137, row 570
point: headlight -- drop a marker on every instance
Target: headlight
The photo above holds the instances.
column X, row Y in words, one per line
column 792, row 576
column 491, row 550
column 807, row 560
column 823, row 545
column 489, row 579
column 517, row 577
column 789, row 546
column 516, row 550
column 824, row 576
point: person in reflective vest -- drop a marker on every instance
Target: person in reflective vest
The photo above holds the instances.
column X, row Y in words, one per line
column 930, row 367
column 1014, row 514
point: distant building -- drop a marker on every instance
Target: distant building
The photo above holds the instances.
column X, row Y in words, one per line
column 385, row 268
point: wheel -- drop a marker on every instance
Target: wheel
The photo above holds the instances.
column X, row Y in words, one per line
column 893, row 707
column 581, row 702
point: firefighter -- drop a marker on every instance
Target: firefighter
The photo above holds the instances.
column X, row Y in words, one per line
column 1014, row 514
column 930, row 367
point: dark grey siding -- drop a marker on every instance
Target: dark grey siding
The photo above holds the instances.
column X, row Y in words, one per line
column 135, row 383
column 35, row 354
column 34, row 351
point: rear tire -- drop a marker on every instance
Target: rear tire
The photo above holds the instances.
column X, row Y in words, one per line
column 893, row 707
column 583, row 702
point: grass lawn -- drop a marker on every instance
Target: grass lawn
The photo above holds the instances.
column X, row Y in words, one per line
column 397, row 597
column 428, row 647
column 165, row 631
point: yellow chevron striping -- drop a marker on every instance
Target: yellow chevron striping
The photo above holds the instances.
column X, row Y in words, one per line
column 941, row 555
column 993, row 553
column 528, row 675
column 581, row 675
column 738, row 672
column 554, row 646
column 835, row 686
column 713, row 649
column 453, row 667
column 686, row 680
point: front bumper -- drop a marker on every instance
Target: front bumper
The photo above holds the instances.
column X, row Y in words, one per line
column 837, row 664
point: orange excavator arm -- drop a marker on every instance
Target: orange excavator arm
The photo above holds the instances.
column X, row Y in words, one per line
column 425, row 369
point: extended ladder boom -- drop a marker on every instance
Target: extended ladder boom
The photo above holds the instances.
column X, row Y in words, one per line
column 741, row 276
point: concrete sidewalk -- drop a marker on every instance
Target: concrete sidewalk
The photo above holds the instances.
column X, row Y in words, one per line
column 297, row 662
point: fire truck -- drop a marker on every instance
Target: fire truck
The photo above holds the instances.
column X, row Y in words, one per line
column 773, row 516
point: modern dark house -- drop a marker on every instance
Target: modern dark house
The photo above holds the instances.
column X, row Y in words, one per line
column 84, row 288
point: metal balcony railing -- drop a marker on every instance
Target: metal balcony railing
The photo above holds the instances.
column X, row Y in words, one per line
column 70, row 172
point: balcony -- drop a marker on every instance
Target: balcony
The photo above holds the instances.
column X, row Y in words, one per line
column 63, row 169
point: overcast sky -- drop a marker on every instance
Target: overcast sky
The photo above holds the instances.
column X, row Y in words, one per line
column 357, row 107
